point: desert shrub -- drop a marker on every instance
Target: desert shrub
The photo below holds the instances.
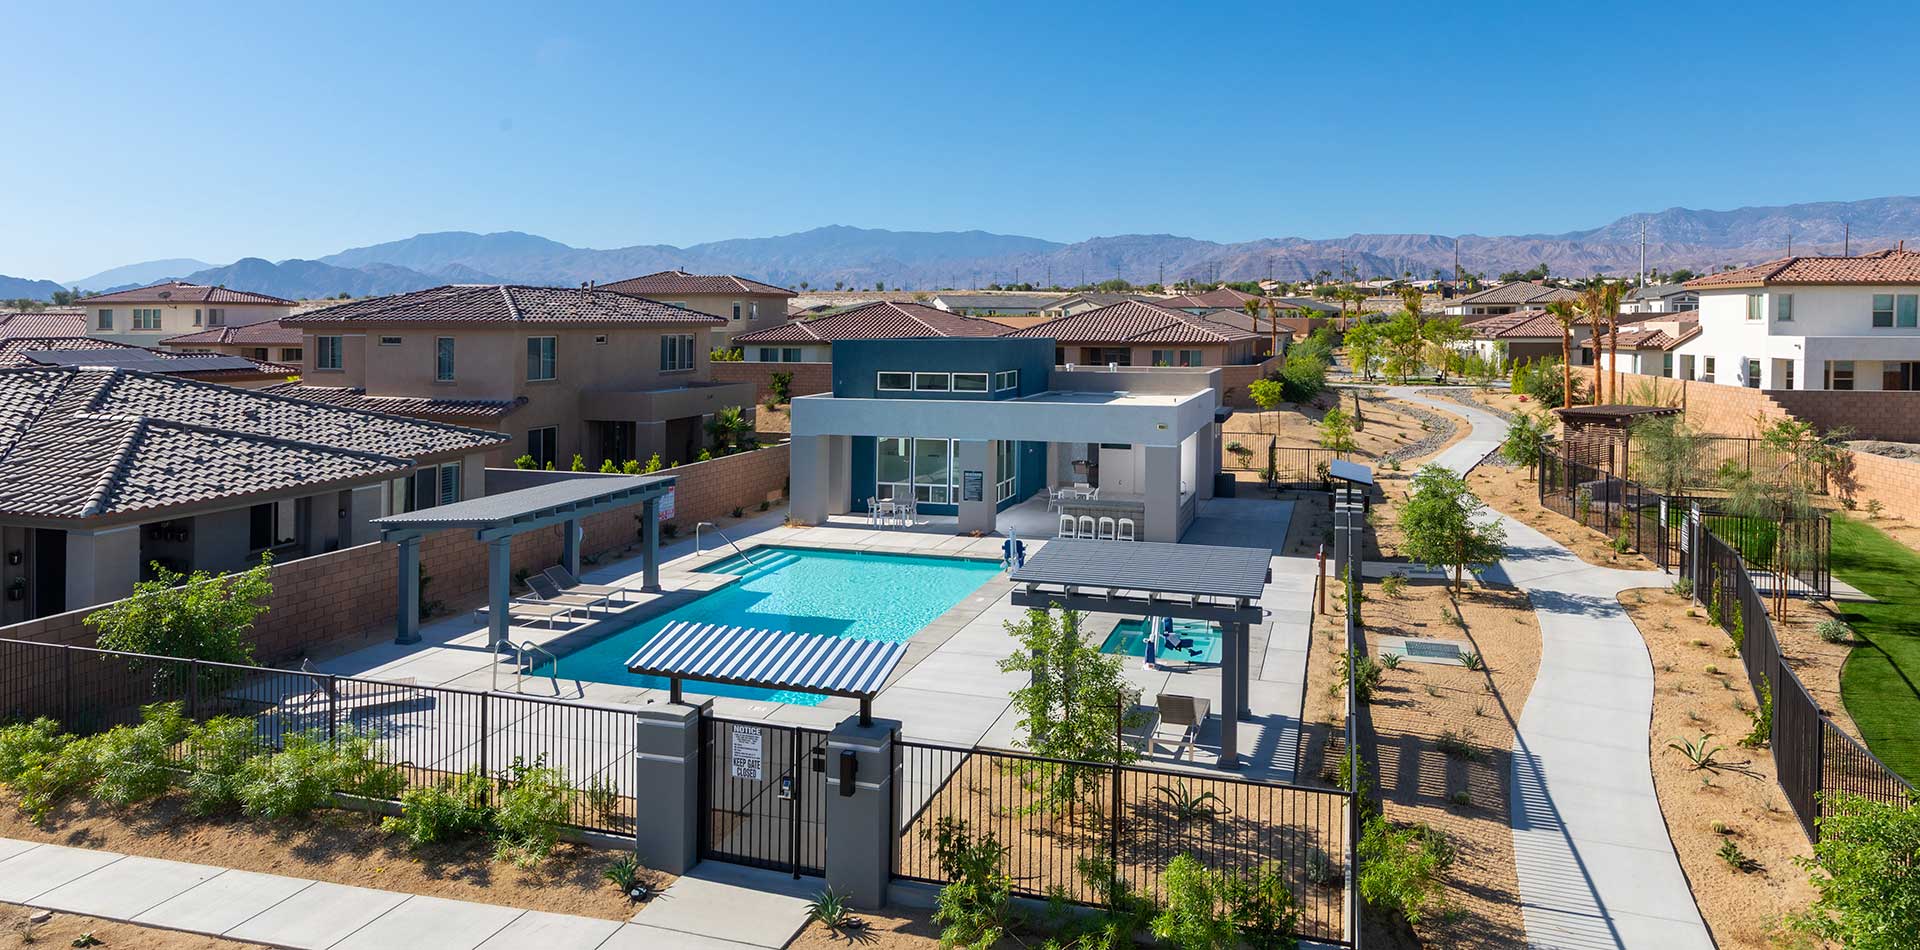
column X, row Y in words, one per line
column 306, row 772
column 450, row 808
column 69, row 769
column 1402, row 869
column 1366, row 674
column 1762, row 715
column 972, row 907
column 1864, row 870
column 1194, row 917
column 1834, row 631
column 531, row 807
column 134, row 763
column 219, row 749
column 25, row 745
column 359, row 768
column 1263, row 909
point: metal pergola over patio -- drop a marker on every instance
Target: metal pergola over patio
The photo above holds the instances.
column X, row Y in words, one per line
column 1189, row 581
column 769, row 659
column 496, row 519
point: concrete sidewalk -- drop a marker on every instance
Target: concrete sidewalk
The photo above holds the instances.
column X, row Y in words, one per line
column 315, row 915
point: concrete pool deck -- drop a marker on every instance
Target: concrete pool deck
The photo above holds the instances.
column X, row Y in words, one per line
column 949, row 688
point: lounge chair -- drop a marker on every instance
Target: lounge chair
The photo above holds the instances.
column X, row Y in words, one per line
column 1179, row 723
column 529, row 610
column 570, row 584
column 545, row 591
column 360, row 695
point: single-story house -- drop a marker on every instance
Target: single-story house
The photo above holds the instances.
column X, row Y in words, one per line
column 1525, row 336
column 1137, row 333
column 269, row 340
column 980, row 304
column 94, row 353
column 1510, row 297
column 1647, row 346
column 811, row 340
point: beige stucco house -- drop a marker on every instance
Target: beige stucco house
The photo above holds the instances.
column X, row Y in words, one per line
column 743, row 304
column 145, row 316
column 562, row 371
column 269, row 340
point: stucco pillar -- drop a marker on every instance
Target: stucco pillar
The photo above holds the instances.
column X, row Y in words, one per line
column 1162, row 490
column 102, row 565
column 1208, row 439
column 650, row 545
column 839, row 474
column 406, row 617
column 859, row 814
column 570, row 546
column 808, row 476
column 363, row 505
column 1233, row 695
column 499, row 592
column 667, row 777
column 976, row 457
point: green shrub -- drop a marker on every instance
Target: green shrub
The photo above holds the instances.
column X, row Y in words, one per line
column 1263, row 908
column 1834, row 631
column 135, row 763
column 1864, row 870
column 219, row 750
column 531, row 807
column 1194, row 917
column 451, row 808
column 25, row 745
column 972, row 907
column 1402, row 869
column 1762, row 715
column 359, row 769
column 304, row 774
column 69, row 769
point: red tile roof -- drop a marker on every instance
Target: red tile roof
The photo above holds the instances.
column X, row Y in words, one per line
column 18, row 351
column 881, row 320
column 1133, row 321
column 418, row 407
column 501, row 304
column 1521, row 324
column 1219, row 298
column 1891, row 266
column 1516, row 292
column 179, row 291
column 266, row 333
column 681, row 282
column 51, row 322
column 1664, row 332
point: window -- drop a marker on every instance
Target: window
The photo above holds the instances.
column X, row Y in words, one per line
column 769, row 354
column 1787, row 365
column 390, row 341
column 923, row 467
column 676, row 352
column 600, row 339
column 272, row 524
column 736, row 311
column 893, row 469
column 894, row 382
column 258, row 352
column 540, row 445
column 539, row 358
column 1840, row 375
column 1177, row 358
column 106, row 319
column 291, row 354
column 145, row 319
column 1753, row 374
column 443, row 359
column 216, row 317
column 1006, row 379
column 932, row 382
column 753, row 310
column 196, row 318
column 1666, row 365
column 969, row 382
column 790, row 354
column 1907, row 311
column 1756, row 307
column 1883, row 310
column 1706, row 369
column 1783, row 308
column 403, row 498
column 449, row 483
column 328, row 352
column 1005, row 460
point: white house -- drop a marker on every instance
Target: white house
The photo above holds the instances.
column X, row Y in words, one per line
column 145, row 316
column 1648, row 345
column 1508, row 298
column 1810, row 323
column 1661, row 298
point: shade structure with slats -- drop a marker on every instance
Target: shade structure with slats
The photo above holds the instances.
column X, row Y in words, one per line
column 768, row 659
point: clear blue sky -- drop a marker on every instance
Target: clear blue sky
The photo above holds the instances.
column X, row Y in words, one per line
column 140, row 131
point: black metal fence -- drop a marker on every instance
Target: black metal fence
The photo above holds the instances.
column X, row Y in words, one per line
column 1228, row 824
column 763, row 795
column 430, row 732
column 1246, row 452
column 1298, row 466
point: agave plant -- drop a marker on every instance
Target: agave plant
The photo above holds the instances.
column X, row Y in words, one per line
column 1189, row 805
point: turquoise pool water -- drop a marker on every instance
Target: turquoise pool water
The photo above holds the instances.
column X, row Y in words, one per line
column 839, row 593
column 1127, row 636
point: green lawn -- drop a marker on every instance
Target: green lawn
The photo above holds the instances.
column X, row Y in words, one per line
column 1881, row 681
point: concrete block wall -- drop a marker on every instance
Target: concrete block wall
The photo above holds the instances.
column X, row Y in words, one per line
column 808, row 378
column 1235, row 379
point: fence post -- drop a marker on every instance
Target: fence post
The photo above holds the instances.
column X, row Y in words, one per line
column 66, row 696
column 333, row 705
column 667, row 760
column 859, row 813
column 193, row 688
column 1113, row 814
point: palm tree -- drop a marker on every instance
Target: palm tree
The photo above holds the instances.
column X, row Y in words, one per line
column 728, row 427
column 1600, row 301
column 1564, row 314
column 1273, row 323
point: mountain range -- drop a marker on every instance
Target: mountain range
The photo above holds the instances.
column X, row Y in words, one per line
column 860, row 257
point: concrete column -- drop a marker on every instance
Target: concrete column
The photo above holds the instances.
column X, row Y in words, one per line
column 1162, row 489
column 809, row 477
column 102, row 565
column 650, row 545
column 363, row 505
column 667, row 767
column 570, row 546
column 407, row 600
column 1245, row 639
column 1209, row 439
column 1232, row 696
column 839, row 474
column 976, row 457
column 499, row 591
column 860, row 816
column 473, row 476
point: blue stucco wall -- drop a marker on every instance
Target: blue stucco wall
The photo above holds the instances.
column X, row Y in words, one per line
column 858, row 363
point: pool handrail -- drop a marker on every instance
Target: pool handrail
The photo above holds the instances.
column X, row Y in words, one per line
column 723, row 536
column 523, row 663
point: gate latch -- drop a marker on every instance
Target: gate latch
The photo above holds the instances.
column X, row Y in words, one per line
column 786, row 788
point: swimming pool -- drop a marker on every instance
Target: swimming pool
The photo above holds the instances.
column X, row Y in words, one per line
column 1127, row 636
column 839, row 593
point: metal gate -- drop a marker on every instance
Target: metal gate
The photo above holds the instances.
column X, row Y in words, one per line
column 763, row 795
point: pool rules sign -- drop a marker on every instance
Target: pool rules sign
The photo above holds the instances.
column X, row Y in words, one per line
column 748, row 753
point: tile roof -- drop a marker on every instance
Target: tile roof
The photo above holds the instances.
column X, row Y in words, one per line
column 500, row 304
column 989, row 300
column 1517, row 292
column 1132, row 321
column 1891, row 266
column 1663, row 332
column 882, row 320
column 1100, row 298
column 179, row 291
column 1657, row 291
column 1219, row 298
column 681, row 282
column 418, row 407
column 265, row 333
column 1520, row 324
column 50, row 322
column 34, row 351
column 85, row 443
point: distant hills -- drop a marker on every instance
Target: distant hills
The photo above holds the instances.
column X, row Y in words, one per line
column 859, row 257
column 18, row 288
column 141, row 274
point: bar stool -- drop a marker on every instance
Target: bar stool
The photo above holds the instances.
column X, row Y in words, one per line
column 1066, row 526
column 1086, row 526
column 1106, row 529
column 1126, row 529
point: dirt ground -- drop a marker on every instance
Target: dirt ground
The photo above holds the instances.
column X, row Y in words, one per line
column 1510, row 491
column 64, row 929
column 1297, row 426
column 338, row 846
column 1699, row 690
column 897, row 928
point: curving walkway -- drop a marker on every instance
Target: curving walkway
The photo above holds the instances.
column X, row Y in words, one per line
column 1595, row 864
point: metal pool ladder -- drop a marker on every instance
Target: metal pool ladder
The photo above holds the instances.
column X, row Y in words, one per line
column 723, row 537
column 523, row 664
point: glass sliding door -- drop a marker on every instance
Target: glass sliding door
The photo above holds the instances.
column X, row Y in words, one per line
column 933, row 471
column 1005, row 456
column 893, row 476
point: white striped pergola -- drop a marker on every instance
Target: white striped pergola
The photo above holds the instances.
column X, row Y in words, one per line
column 769, row 659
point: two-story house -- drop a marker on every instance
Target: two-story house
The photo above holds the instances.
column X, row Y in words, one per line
column 1849, row 323
column 744, row 304
column 1661, row 298
column 269, row 340
column 564, row 371
column 145, row 316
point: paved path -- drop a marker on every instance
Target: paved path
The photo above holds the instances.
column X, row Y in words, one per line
column 1595, row 864
column 755, row 909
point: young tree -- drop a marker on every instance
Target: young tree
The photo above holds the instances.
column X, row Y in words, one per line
column 201, row 616
column 1443, row 336
column 1268, row 394
column 1527, row 434
column 1403, row 343
column 1336, row 432
column 1364, row 344
column 1864, row 870
column 1566, row 316
column 1442, row 523
column 1073, row 705
column 1667, row 454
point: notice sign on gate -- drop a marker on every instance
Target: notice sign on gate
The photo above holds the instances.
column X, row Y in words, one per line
column 747, row 753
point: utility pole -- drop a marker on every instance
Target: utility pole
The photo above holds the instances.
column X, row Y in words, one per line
column 1789, row 240
column 1846, row 239
column 1643, row 252
column 1162, row 279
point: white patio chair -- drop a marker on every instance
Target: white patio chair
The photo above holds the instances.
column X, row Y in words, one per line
column 1086, row 526
column 1066, row 526
column 873, row 512
column 1126, row 529
column 1179, row 723
column 1106, row 529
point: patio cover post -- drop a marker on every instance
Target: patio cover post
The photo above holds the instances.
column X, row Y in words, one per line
column 1242, row 637
column 1232, row 695
column 650, row 555
column 499, row 592
column 570, row 546
column 407, row 610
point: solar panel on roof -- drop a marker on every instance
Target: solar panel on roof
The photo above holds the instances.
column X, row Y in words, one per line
column 139, row 359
